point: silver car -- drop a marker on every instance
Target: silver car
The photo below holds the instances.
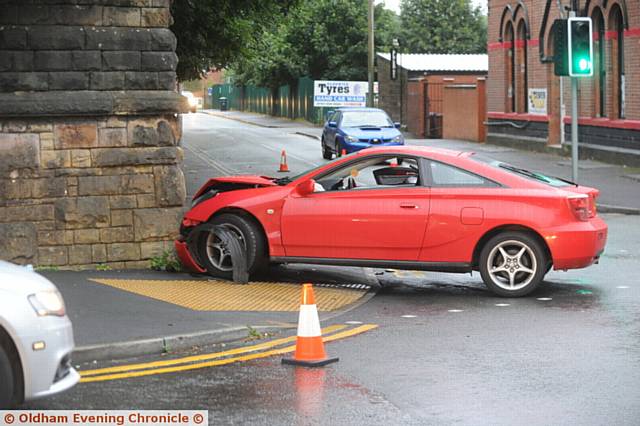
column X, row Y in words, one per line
column 36, row 338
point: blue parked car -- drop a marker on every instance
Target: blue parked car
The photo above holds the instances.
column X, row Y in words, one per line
column 353, row 129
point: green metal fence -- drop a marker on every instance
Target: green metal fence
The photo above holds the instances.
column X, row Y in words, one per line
column 290, row 102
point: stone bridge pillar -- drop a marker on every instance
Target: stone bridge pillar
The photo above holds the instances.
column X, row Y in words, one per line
column 90, row 157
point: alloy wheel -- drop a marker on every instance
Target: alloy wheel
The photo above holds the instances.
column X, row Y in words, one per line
column 512, row 265
column 217, row 251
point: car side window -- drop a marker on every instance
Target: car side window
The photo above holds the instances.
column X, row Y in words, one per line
column 449, row 176
column 373, row 173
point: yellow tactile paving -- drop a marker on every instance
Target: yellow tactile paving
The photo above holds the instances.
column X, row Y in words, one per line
column 226, row 296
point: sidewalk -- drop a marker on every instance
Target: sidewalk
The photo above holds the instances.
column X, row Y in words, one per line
column 120, row 314
column 261, row 120
column 619, row 186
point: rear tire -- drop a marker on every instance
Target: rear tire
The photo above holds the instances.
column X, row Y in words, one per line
column 326, row 152
column 7, row 380
column 217, row 261
column 512, row 264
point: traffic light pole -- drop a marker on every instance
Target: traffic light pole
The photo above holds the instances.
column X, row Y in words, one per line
column 574, row 129
column 371, row 58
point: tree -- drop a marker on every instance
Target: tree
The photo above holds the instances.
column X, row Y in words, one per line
column 387, row 28
column 442, row 26
column 321, row 39
column 211, row 33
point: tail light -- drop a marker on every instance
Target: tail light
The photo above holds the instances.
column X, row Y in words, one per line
column 583, row 206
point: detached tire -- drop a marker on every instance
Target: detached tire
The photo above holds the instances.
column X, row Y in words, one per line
column 217, row 259
column 7, row 380
column 513, row 264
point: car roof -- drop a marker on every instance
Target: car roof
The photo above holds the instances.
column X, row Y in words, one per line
column 456, row 158
column 344, row 109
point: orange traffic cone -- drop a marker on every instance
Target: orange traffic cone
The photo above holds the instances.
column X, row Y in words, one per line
column 309, row 345
column 344, row 152
column 283, row 162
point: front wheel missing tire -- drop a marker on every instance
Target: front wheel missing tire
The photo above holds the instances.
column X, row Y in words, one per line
column 215, row 254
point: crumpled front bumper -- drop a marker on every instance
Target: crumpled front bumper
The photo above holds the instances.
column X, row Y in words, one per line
column 182, row 250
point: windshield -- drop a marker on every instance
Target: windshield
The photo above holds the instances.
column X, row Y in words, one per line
column 286, row 180
column 366, row 119
column 537, row 176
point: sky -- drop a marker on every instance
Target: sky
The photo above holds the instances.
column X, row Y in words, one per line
column 395, row 4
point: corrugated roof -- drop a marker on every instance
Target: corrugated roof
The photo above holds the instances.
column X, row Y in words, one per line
column 429, row 62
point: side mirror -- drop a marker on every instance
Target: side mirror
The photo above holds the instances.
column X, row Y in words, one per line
column 333, row 124
column 305, row 188
column 397, row 124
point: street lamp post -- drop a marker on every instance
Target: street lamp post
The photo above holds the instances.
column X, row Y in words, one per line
column 371, row 57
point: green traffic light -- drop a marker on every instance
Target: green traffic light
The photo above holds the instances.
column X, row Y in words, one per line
column 580, row 47
column 583, row 65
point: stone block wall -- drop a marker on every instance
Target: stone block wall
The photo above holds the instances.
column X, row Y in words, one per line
column 90, row 191
column 90, row 157
column 58, row 46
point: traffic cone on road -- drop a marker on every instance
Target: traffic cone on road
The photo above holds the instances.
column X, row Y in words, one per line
column 344, row 152
column 283, row 162
column 309, row 345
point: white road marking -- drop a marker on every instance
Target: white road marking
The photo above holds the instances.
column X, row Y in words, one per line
column 409, row 316
column 455, row 311
column 544, row 299
column 622, row 286
column 353, row 322
column 202, row 155
column 503, row 304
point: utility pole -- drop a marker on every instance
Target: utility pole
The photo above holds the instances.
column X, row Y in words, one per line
column 370, row 95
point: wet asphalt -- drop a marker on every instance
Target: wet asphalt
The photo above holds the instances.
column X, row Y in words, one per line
column 446, row 352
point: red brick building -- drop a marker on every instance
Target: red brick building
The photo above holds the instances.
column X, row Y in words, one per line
column 524, row 95
column 416, row 97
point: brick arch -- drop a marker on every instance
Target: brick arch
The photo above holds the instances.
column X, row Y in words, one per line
column 597, row 14
column 521, row 7
column 515, row 32
column 507, row 11
column 521, row 65
column 509, row 57
column 615, row 32
column 607, row 5
column 615, row 6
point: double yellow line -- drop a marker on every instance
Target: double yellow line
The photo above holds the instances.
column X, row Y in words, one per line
column 196, row 362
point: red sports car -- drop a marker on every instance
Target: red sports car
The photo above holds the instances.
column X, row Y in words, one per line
column 412, row 208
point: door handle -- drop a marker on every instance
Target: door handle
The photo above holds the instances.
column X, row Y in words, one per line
column 408, row 206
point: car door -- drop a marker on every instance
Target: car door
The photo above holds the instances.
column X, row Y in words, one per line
column 363, row 220
column 460, row 201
